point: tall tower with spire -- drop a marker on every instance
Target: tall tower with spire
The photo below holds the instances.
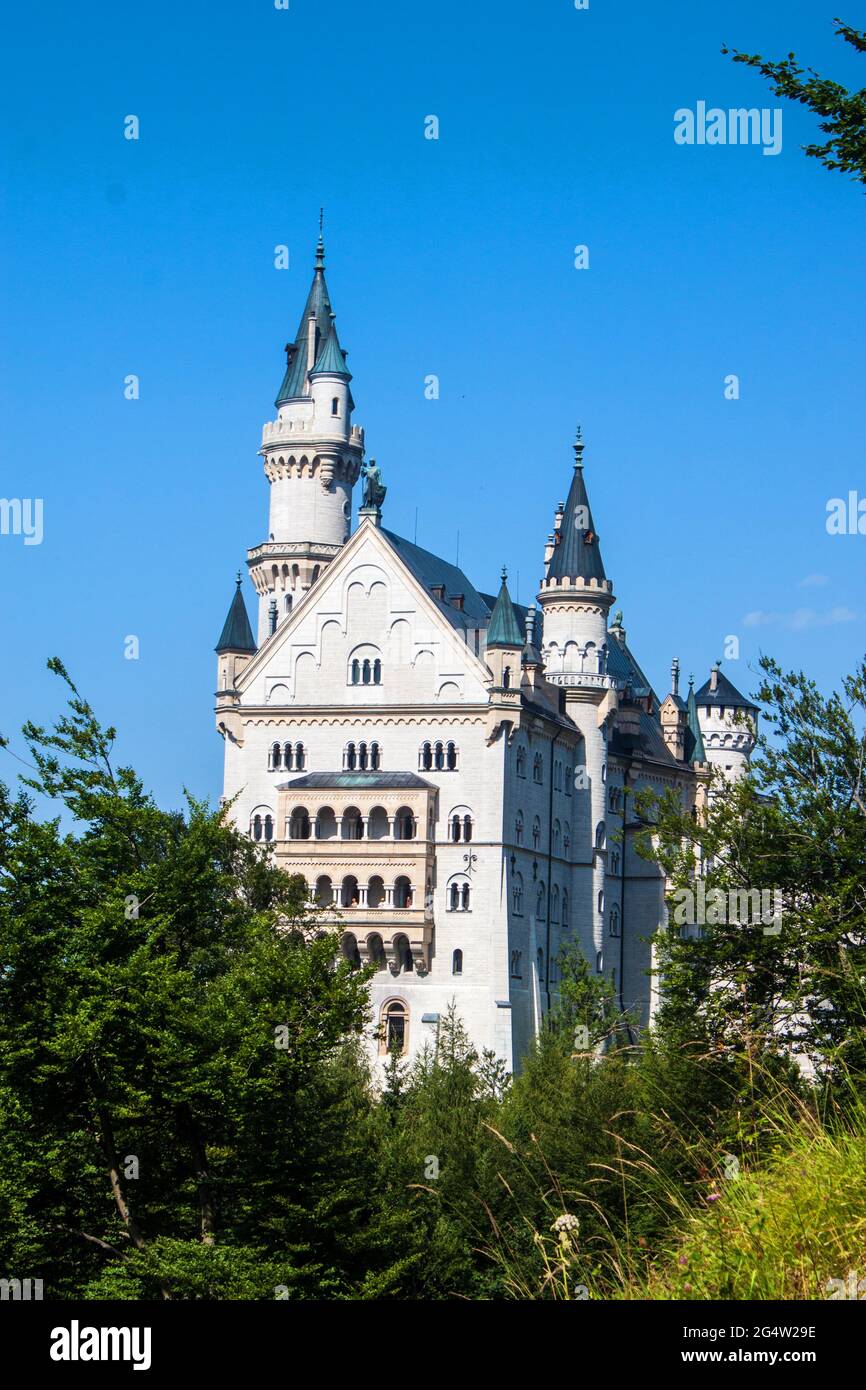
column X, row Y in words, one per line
column 312, row 456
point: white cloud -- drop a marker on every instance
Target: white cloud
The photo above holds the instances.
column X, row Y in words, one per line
column 813, row 581
column 800, row 619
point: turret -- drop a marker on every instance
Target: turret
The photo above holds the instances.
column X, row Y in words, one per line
column 312, row 456
column 235, row 646
column 575, row 594
column 505, row 644
column 728, row 724
column 674, row 716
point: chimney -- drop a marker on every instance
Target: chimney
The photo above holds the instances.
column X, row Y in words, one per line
column 714, row 677
column 558, row 515
column 675, row 676
column 549, row 549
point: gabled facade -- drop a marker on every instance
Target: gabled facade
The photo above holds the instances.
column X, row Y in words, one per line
column 452, row 773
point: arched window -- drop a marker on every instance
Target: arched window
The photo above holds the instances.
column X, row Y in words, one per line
column 362, row 757
column 601, row 902
column 402, row 892
column 451, row 757
column 518, row 827
column 300, row 757
column 376, row 951
column 459, row 894
column 395, row 1027
column 566, row 838
column 455, row 828
column 554, row 905
column 353, row 825
column 288, row 603
column 521, row 762
column 257, row 827
column 377, row 672
column 614, row 921
column 356, row 672
column 540, row 961
column 536, row 833
column 614, row 860
column 275, row 760
column 335, row 405
column 374, row 757
column 439, row 757
column 565, row 907
column 557, row 837
column 457, row 963
column 517, row 894
column 599, row 962
column 454, row 898
column 506, row 678
column 600, row 835
column 404, row 824
column 516, row 964
column 464, row 897
column 350, row 757
column 467, row 827
column 365, row 671
column 539, row 903
column 349, row 947
column 288, row 759
column 349, row 893
column 426, row 758
column 324, row 891
column 269, row 827
column 538, row 769
column 299, row 824
column 569, row 778
column 375, row 891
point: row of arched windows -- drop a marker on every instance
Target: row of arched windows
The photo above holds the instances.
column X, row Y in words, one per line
column 365, row 672
column 262, row 827
column 362, row 757
column 290, row 756
column 460, row 828
column 459, row 895
column 377, row 824
column 437, row 757
column 561, row 834
column 557, row 902
column 563, row 773
column 375, row 893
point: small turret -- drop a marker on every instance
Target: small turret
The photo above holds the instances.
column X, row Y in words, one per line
column 504, row 641
column 235, row 646
column 674, row 716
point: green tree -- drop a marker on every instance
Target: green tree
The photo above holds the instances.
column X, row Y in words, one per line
column 843, row 113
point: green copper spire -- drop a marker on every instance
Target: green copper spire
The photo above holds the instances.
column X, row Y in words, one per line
column 319, row 305
column 331, row 359
column 237, row 635
column 695, row 752
column 504, row 629
column 576, row 554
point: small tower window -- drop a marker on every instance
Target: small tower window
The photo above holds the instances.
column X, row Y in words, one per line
column 457, row 963
column 335, row 405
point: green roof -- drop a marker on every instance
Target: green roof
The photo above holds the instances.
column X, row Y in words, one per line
column 319, row 304
column 576, row 554
column 237, row 635
column 504, row 629
column 695, row 752
column 331, row 358
column 355, row 781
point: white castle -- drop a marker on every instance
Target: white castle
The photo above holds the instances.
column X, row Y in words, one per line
column 451, row 773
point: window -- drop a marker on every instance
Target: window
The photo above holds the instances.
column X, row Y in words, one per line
column 288, row 603
column 374, row 757
column 377, row 672
column 299, row 824
column 566, row 838
column 517, row 894
column 457, row 963
column 557, row 837
column 540, row 963
column 404, row 824
column 365, row 671
column 506, row 678
column 395, row 1027
column 518, row 827
column 536, row 833
column 538, row 769
column 565, row 922
column 539, row 903
column 275, row 758
column 459, row 894
column 438, row 757
column 600, row 903
column 569, row 778
column 356, row 672
column 349, row 892
column 335, row 405
column 554, row 905
column 350, row 757
column 614, row 861
column 300, row 756
column 451, row 757
column 269, row 827
column 425, row 758
column 460, row 826
column 257, row 827
column 516, row 965
column 614, row 921
column 600, row 835
column 599, row 962
column 402, row 892
column 521, row 762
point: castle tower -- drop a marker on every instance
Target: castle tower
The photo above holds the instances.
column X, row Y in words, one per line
column 234, row 650
column 728, row 723
column 575, row 595
column 312, row 456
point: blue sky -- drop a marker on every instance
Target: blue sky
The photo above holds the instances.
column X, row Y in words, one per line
column 453, row 257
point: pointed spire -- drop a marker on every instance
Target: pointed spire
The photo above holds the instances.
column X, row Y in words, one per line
column 504, row 629
column 695, row 752
column 576, row 554
column 237, row 635
column 320, row 244
column 318, row 306
column 331, row 358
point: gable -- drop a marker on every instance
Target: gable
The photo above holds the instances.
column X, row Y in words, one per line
column 366, row 634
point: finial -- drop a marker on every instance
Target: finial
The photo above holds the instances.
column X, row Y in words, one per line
column 320, row 247
column 675, row 675
column 504, row 574
column 578, row 447
column 239, row 579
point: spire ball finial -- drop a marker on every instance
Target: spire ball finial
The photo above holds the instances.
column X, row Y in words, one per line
column 504, row 574
column 239, row 581
column 578, row 447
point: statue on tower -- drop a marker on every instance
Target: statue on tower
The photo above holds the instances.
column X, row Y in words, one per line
column 374, row 488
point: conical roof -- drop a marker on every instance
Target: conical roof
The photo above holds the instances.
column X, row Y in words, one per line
column 576, row 554
column 504, row 629
column 237, row 635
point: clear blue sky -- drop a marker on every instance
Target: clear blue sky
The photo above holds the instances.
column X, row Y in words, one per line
column 452, row 257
